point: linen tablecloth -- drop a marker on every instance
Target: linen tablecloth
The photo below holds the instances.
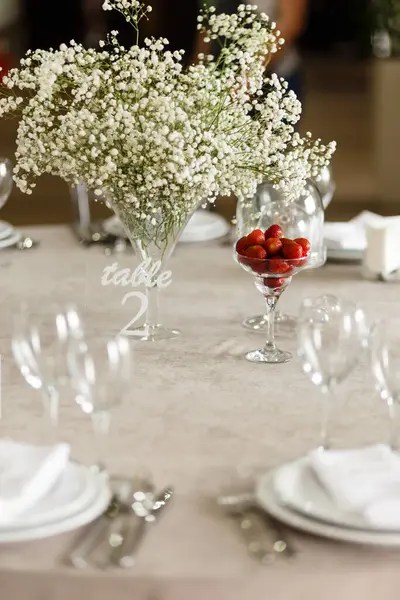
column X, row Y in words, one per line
column 198, row 417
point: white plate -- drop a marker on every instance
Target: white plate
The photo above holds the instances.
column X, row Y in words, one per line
column 5, row 229
column 75, row 490
column 89, row 513
column 270, row 502
column 345, row 255
column 204, row 226
column 297, row 486
column 113, row 226
column 10, row 240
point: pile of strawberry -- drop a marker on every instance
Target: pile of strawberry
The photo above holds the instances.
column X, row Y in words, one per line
column 281, row 255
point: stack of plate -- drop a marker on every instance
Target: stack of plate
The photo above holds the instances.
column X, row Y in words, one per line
column 79, row 497
column 203, row 226
column 8, row 235
column 293, row 495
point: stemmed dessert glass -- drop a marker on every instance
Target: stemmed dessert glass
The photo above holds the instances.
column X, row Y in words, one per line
column 300, row 218
column 331, row 337
column 271, row 278
column 385, row 362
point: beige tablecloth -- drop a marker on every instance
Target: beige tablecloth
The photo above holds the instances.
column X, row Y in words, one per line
column 197, row 413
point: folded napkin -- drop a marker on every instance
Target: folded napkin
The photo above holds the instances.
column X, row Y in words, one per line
column 364, row 481
column 382, row 255
column 350, row 235
column 27, row 474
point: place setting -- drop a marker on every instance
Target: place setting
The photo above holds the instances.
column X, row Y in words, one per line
column 347, row 495
column 45, row 491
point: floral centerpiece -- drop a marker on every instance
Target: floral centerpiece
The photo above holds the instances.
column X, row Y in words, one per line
column 156, row 139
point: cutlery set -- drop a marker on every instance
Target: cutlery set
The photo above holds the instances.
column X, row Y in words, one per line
column 266, row 539
column 115, row 537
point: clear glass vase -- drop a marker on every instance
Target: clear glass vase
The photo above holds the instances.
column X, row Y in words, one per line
column 154, row 244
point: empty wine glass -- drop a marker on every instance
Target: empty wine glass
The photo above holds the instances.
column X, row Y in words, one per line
column 39, row 345
column 100, row 373
column 385, row 362
column 331, row 335
column 6, row 180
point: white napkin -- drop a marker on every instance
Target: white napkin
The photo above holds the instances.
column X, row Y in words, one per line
column 365, row 481
column 350, row 235
column 27, row 474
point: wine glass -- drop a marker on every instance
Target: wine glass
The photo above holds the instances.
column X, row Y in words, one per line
column 385, row 362
column 331, row 334
column 39, row 345
column 6, row 180
column 100, row 373
column 302, row 218
column 271, row 277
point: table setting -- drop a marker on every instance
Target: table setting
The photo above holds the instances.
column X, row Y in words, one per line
column 194, row 451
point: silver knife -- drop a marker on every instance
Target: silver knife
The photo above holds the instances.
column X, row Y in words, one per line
column 124, row 555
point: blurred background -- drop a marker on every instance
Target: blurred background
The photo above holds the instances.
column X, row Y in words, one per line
column 351, row 89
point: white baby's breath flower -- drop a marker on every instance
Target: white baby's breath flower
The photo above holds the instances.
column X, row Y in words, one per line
column 155, row 138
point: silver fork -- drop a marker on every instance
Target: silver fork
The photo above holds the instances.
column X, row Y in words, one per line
column 266, row 538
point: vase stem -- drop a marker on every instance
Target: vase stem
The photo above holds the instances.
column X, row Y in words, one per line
column 153, row 308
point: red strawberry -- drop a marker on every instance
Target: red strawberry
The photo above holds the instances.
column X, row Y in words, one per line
column 273, row 246
column 305, row 244
column 241, row 245
column 275, row 231
column 274, row 282
column 256, row 251
column 292, row 251
column 256, row 238
column 278, row 266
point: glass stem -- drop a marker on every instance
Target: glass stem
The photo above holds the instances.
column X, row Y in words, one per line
column 152, row 315
column 52, row 400
column 270, row 302
column 101, row 422
column 394, row 429
column 325, row 420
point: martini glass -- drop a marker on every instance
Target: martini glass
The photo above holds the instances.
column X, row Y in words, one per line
column 271, row 278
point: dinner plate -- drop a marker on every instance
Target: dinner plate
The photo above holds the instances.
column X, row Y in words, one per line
column 5, row 229
column 204, row 226
column 273, row 505
column 297, row 486
column 93, row 509
column 11, row 239
column 345, row 255
column 113, row 226
column 75, row 489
